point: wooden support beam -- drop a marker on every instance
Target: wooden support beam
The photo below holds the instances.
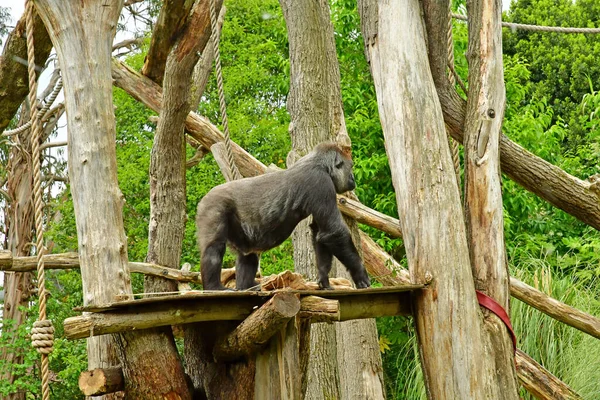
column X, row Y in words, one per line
column 556, row 309
column 256, row 330
column 540, row 382
column 318, row 309
column 101, row 381
column 227, row 306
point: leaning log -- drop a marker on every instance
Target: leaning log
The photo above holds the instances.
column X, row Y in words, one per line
column 101, row 381
column 540, row 382
column 556, row 309
column 258, row 328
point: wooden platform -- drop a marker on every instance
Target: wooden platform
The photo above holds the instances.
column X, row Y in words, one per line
column 198, row 306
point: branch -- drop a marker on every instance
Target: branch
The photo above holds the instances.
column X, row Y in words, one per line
column 171, row 20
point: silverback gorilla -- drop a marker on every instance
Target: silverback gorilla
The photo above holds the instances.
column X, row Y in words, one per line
column 253, row 215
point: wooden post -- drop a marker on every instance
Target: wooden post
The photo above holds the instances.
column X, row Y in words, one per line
column 483, row 195
column 82, row 34
column 278, row 373
column 428, row 200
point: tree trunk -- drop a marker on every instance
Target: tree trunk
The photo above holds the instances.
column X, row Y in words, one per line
column 82, row 33
column 19, row 223
column 14, row 82
column 315, row 106
column 483, row 195
column 167, row 190
column 448, row 321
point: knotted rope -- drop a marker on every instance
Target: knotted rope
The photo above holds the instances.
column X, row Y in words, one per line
column 235, row 173
column 43, row 332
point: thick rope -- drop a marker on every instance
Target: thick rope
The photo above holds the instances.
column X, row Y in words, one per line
column 538, row 28
column 43, row 332
column 453, row 143
column 44, row 112
column 235, row 173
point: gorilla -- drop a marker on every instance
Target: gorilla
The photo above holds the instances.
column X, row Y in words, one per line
column 255, row 214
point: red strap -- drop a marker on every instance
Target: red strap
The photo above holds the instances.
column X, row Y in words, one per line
column 491, row 304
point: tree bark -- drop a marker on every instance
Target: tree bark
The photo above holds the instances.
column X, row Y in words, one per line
column 483, row 195
column 14, row 81
column 448, row 321
column 19, row 225
column 315, row 107
column 171, row 20
column 82, row 33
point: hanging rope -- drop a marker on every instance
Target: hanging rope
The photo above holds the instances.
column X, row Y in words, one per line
column 213, row 23
column 538, row 28
column 453, row 143
column 42, row 333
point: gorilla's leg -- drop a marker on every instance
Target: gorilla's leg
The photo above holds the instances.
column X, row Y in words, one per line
column 339, row 243
column 210, row 266
column 324, row 259
column 245, row 271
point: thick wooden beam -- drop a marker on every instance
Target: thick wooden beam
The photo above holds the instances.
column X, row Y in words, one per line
column 101, row 381
column 159, row 315
column 540, row 382
column 318, row 309
column 256, row 330
column 483, row 195
column 232, row 306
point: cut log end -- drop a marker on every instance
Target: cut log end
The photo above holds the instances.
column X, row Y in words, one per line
column 101, row 381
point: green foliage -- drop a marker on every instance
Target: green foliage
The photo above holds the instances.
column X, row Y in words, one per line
column 561, row 63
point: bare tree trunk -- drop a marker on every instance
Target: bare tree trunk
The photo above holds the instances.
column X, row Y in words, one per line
column 345, row 361
column 167, row 179
column 82, row 33
column 483, row 195
column 447, row 317
column 19, row 222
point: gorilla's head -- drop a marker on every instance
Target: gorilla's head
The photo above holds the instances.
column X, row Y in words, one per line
column 338, row 164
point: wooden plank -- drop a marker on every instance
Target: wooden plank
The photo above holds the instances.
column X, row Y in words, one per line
column 217, row 294
column 148, row 313
column 171, row 313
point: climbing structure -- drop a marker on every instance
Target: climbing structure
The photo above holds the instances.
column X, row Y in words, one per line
column 255, row 344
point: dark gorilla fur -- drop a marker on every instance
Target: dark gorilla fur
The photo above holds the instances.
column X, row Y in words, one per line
column 253, row 215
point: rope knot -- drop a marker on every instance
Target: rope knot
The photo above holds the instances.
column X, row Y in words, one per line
column 42, row 336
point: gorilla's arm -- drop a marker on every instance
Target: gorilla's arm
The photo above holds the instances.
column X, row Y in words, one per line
column 331, row 236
